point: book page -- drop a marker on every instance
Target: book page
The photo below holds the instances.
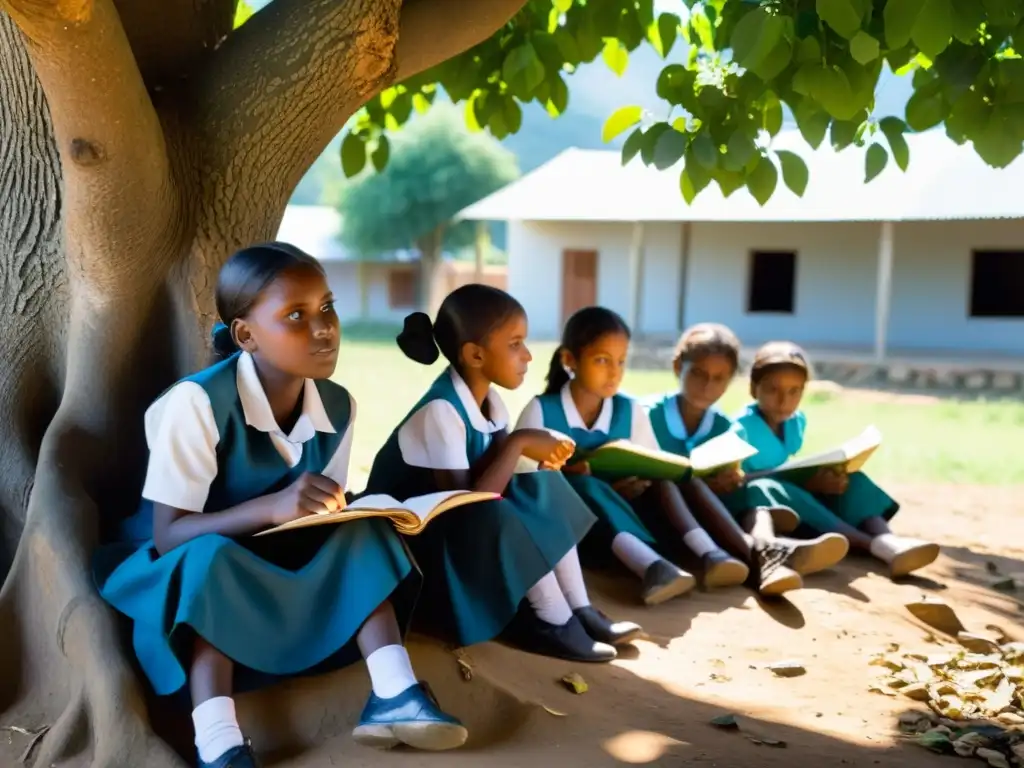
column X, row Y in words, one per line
column 625, row 446
column 865, row 442
column 721, row 451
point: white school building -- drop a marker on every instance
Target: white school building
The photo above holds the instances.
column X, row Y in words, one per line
column 926, row 265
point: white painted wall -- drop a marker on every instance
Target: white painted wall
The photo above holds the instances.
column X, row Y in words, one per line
column 343, row 277
column 835, row 280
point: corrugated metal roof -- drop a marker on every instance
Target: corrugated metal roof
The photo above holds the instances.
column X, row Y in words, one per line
column 943, row 181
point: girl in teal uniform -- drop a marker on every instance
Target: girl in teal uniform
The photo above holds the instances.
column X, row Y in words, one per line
column 850, row 505
column 705, row 363
column 585, row 375
column 256, row 440
column 502, row 560
column 588, row 407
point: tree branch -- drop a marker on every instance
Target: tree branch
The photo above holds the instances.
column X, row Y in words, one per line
column 118, row 199
column 432, row 31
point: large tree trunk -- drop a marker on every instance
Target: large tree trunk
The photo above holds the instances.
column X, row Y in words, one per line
column 140, row 144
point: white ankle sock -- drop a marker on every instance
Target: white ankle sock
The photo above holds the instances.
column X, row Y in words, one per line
column 885, row 546
column 633, row 553
column 548, row 601
column 216, row 727
column 390, row 671
column 699, row 542
column 570, row 579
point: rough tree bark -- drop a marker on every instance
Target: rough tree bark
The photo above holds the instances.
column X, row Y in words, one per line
column 140, row 144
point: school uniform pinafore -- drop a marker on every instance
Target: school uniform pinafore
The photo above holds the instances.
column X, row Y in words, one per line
column 477, row 562
column 616, row 421
column 862, row 499
column 276, row 605
column 672, row 435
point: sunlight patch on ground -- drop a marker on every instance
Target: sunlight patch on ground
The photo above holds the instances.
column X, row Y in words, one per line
column 640, row 747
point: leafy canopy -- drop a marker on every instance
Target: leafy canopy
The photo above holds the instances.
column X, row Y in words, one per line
column 731, row 65
column 436, row 168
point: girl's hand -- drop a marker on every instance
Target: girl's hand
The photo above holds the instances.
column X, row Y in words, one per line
column 579, row 468
column 547, row 447
column 631, row 487
column 725, row 482
column 828, row 482
column 311, row 494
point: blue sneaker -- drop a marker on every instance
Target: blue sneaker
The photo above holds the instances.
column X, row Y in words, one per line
column 236, row 757
column 412, row 718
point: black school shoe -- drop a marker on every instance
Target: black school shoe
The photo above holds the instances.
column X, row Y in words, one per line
column 604, row 630
column 663, row 581
column 570, row 641
column 236, row 757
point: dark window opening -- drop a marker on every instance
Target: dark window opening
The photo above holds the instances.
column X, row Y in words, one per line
column 772, row 282
column 997, row 284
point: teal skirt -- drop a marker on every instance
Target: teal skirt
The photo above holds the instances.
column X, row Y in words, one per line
column 861, row 501
column 276, row 605
column 614, row 516
column 479, row 561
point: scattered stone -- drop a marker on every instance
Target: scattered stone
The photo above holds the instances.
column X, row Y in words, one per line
column 726, row 722
column 1005, row 381
column 995, row 759
column 788, row 668
column 1010, row 718
column 976, row 380
column 901, row 374
column 937, row 614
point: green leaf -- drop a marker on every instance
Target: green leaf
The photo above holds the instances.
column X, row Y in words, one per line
column 669, row 149
column 729, row 181
column 243, row 12
column 934, row 27
column 775, row 63
column 900, row 16
column 842, row 134
column 809, row 50
column 704, row 150
column 755, row 36
column 421, row 102
column 676, row 86
column 771, row 114
column 864, row 48
column 562, row 6
column 632, row 145
column 968, row 16
column 874, row 161
column 762, row 180
column 381, row 153
column 843, row 16
column 353, row 155
column 689, row 187
column 615, row 56
column 812, row 122
column 523, row 70
column 559, row 99
column 738, row 151
column 703, row 33
column 794, row 171
column 620, row 120
column 894, row 128
column 663, row 33
column 998, row 143
column 651, row 136
column 925, row 110
column 513, row 114
column 567, row 46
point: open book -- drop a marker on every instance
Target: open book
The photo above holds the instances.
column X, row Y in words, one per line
column 719, row 453
column 848, row 457
column 621, row 458
column 409, row 517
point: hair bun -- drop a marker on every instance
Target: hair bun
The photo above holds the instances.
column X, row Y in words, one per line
column 417, row 339
column 223, row 342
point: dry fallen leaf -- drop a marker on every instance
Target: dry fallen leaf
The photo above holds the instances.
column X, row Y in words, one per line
column 554, row 712
column 936, row 613
column 788, row 668
column 575, row 683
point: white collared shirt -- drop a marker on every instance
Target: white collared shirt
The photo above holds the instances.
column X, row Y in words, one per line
column 182, row 435
column 435, row 436
column 677, row 428
column 641, row 431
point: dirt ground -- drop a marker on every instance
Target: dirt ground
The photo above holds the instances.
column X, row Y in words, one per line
column 705, row 657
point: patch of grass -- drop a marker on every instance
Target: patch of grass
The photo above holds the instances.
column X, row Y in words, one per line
column 926, row 440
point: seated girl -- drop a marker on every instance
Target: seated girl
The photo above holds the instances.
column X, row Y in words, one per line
column 256, row 440
column 850, row 505
column 583, row 397
column 502, row 560
column 705, row 363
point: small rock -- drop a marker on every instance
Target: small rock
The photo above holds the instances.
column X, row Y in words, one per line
column 995, row 759
column 936, row 613
column 1018, row 751
column 1010, row 718
column 575, row 683
column 788, row 668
